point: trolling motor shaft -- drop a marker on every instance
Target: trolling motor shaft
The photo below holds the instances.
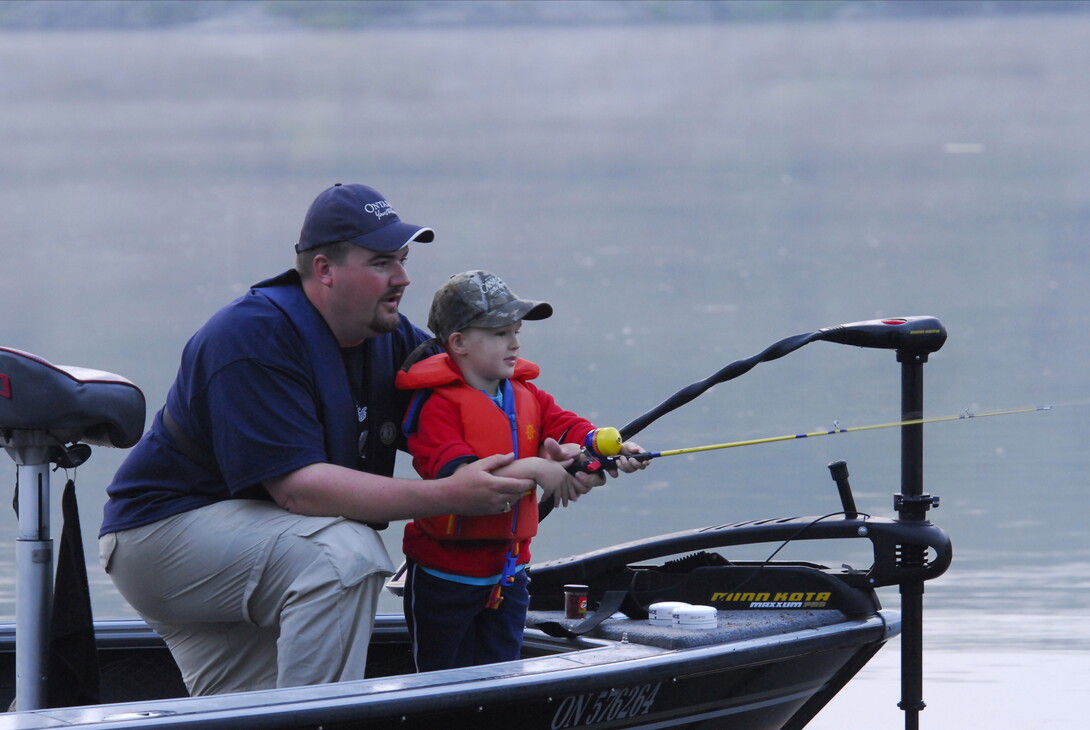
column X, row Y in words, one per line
column 912, row 504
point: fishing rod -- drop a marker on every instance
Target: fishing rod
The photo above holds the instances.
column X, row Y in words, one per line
column 605, row 443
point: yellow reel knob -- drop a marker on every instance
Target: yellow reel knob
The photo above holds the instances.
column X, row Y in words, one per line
column 607, row 441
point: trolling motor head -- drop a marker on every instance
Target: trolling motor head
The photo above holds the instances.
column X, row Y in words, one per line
column 914, row 337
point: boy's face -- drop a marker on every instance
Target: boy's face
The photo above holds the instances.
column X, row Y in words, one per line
column 486, row 355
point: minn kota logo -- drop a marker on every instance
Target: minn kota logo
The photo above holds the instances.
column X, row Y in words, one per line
column 779, row 599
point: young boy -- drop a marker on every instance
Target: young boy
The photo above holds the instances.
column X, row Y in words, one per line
column 466, row 589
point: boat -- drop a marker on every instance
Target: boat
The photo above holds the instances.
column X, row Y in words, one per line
column 677, row 631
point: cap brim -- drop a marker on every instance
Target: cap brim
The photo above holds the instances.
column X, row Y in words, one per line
column 394, row 237
column 511, row 312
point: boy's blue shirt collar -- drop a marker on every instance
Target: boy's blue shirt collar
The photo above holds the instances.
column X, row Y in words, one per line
column 498, row 398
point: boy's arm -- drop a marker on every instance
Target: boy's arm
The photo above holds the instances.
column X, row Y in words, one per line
column 440, row 450
column 559, row 423
column 549, row 473
column 573, row 429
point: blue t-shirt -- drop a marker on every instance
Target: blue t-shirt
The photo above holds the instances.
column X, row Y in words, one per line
column 262, row 390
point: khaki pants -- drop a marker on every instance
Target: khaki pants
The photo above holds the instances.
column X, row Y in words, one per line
column 250, row 596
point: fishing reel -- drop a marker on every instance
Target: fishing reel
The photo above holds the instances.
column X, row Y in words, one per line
column 600, row 447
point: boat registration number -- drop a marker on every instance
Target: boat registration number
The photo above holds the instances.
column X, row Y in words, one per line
column 610, row 704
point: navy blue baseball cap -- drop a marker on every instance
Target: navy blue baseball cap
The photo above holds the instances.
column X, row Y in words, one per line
column 358, row 214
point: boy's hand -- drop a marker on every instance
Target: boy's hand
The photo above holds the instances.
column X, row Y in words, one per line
column 556, row 483
column 570, row 487
column 628, row 465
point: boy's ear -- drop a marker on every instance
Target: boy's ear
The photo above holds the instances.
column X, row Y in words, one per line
column 456, row 344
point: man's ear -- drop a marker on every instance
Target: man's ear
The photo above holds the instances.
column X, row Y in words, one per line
column 322, row 267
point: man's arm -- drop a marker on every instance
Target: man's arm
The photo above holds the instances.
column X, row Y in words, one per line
column 330, row 490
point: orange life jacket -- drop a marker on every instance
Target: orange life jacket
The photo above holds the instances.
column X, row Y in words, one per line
column 488, row 430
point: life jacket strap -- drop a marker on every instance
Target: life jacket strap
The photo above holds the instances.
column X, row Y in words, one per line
column 510, row 568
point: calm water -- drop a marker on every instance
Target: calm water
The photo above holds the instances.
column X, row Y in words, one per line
column 684, row 196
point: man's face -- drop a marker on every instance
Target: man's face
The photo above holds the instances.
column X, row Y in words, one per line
column 367, row 290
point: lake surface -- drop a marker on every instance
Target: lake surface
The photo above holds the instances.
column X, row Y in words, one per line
column 684, row 196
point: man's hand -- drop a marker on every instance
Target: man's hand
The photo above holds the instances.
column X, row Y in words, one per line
column 553, row 449
column 474, row 488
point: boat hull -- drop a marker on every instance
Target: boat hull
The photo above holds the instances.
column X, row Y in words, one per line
column 764, row 683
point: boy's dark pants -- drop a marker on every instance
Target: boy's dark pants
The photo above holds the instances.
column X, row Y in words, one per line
column 450, row 625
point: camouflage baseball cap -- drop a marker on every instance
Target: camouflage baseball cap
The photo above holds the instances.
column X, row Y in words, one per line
column 479, row 299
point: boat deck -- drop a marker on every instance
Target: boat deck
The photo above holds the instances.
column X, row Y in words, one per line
column 732, row 626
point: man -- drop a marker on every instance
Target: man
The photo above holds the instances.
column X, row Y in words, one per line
column 242, row 526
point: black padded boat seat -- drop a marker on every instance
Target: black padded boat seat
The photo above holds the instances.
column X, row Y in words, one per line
column 71, row 404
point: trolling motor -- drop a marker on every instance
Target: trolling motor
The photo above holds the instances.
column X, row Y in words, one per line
column 49, row 414
column 912, row 504
column 903, row 563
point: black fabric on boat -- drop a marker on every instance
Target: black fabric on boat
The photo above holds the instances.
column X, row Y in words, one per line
column 611, row 603
column 73, row 660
